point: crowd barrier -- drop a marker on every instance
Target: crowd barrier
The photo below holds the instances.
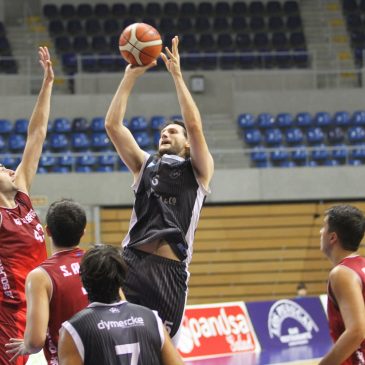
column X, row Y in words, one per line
column 259, row 333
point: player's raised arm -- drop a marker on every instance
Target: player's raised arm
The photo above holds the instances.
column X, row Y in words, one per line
column 200, row 156
column 37, row 128
column 121, row 137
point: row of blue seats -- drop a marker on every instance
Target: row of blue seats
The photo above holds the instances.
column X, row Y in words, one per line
column 308, row 163
column 353, row 6
column 81, row 124
column 295, row 136
column 95, row 26
column 321, row 119
column 170, row 9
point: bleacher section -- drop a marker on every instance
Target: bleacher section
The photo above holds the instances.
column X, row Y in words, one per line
column 8, row 64
column 239, row 35
column 248, row 252
column 287, row 140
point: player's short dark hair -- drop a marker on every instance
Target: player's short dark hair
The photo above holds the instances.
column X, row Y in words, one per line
column 66, row 221
column 178, row 122
column 301, row 285
column 349, row 224
column 102, row 271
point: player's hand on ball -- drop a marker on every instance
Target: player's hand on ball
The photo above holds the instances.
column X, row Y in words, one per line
column 136, row 71
column 172, row 60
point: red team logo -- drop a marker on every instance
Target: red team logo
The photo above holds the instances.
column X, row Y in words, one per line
column 216, row 330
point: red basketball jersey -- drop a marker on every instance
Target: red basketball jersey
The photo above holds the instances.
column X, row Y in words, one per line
column 22, row 248
column 68, row 295
column 337, row 327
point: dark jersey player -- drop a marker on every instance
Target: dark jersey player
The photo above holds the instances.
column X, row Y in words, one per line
column 54, row 291
column 169, row 192
column 111, row 331
column 22, row 244
column 341, row 235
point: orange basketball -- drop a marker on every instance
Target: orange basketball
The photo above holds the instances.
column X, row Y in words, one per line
column 140, row 44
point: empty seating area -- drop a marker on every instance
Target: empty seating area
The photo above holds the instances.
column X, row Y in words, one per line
column 354, row 14
column 247, row 252
column 304, row 139
column 223, row 35
column 8, row 64
column 78, row 145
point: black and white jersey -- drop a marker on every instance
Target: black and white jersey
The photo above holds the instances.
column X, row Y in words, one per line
column 168, row 201
column 117, row 334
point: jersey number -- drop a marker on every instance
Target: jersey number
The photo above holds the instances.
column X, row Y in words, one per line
column 129, row 348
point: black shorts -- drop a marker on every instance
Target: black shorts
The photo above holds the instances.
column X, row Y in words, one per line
column 157, row 283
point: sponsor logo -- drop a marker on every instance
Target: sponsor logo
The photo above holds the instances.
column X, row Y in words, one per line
column 27, row 219
column 175, row 174
column 114, row 310
column 216, row 330
column 130, row 322
column 5, row 282
column 290, row 323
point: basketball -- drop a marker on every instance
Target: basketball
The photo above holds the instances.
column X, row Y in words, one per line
column 140, row 44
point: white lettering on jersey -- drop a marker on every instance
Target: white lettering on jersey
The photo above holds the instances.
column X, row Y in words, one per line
column 5, row 282
column 74, row 269
column 130, row 322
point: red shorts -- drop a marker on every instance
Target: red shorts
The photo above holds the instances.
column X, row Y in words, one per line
column 12, row 325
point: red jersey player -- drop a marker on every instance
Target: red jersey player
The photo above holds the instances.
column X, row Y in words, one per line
column 341, row 235
column 53, row 290
column 22, row 245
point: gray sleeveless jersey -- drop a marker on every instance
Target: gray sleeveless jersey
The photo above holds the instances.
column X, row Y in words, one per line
column 168, row 201
column 117, row 334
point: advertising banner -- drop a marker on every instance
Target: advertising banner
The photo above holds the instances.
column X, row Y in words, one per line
column 216, row 330
column 289, row 323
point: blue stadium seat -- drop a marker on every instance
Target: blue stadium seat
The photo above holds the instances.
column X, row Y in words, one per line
column 288, row 164
column 80, row 124
column 274, row 7
column 279, row 41
column 84, row 11
column 143, row 139
column 80, row 141
column 97, row 124
column 294, row 23
column 86, row 160
column 171, row 9
column 358, row 153
column 202, row 24
column 279, row 155
column 84, row 169
column 239, row 8
column 101, row 10
column 184, row 24
column 330, row 162
column 257, row 23
column 220, row 24
column 294, row 136
column 136, row 9
column 63, row 44
column 67, row 11
column 291, row 7
column 265, row 120
column 74, row 27
column 342, row 119
column 256, row 8
column 61, row 125
column 93, row 26
column 111, row 27
column 252, row 137
column 276, row 24
column 138, row 123
column 246, row 120
column 273, row 137
column 47, row 160
column 238, row 24
column 340, row 152
column 263, row 164
column 284, row 120
column 156, row 135
column 300, row 154
column 358, row 118
column 356, row 135
column 154, row 9
column 297, row 40
column 69, row 63
column 50, row 11
column 222, row 8
column 104, row 168
column 42, row 170
column 61, row 169
column 56, row 28
column 21, row 126
column 100, row 141
column 259, row 154
column 320, row 153
column 67, row 160
column 59, row 142
column 322, row 120
column 335, row 135
column 243, row 42
column 6, row 126
column 9, row 161
column 119, row 10
column 315, row 136
column 107, row 159
column 157, row 121
column 16, row 143
column 205, row 8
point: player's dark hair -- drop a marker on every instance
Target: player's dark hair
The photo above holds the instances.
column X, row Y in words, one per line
column 349, row 224
column 178, row 122
column 102, row 271
column 66, row 221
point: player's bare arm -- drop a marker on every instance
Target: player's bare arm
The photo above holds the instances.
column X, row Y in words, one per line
column 37, row 290
column 201, row 158
column 169, row 354
column 67, row 351
column 121, row 137
column 347, row 289
column 37, row 128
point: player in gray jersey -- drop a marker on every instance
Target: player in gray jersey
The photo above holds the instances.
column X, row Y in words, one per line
column 111, row 331
column 170, row 189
